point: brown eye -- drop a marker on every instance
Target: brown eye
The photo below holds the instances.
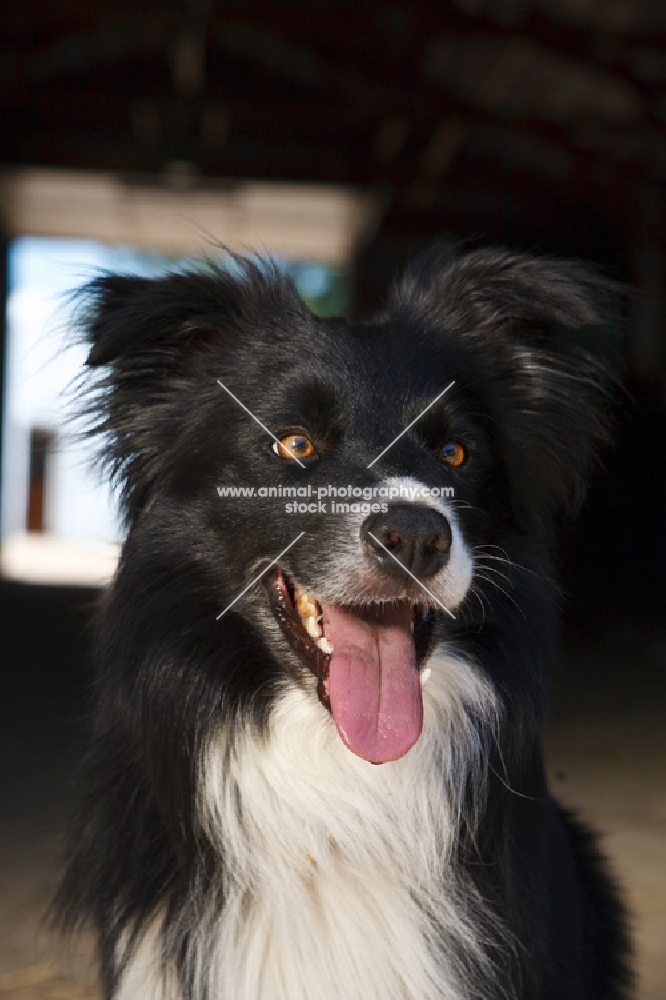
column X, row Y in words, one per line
column 294, row 446
column 454, row 453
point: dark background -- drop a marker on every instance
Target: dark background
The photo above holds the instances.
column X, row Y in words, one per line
column 540, row 124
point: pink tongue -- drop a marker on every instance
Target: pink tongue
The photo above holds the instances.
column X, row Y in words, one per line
column 373, row 683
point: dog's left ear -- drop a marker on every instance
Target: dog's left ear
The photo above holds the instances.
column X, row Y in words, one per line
column 544, row 343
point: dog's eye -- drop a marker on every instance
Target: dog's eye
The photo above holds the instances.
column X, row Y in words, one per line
column 454, row 453
column 294, row 446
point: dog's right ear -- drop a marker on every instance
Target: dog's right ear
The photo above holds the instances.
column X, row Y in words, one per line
column 155, row 345
column 143, row 336
column 126, row 316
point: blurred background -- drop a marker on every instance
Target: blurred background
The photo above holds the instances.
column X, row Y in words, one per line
column 341, row 136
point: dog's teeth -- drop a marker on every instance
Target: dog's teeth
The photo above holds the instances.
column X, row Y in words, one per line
column 325, row 645
column 425, row 676
column 306, row 606
column 312, row 628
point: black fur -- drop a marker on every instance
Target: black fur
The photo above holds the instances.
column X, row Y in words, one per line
column 521, row 338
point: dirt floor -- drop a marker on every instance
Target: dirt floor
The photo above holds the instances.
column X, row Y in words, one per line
column 605, row 747
column 606, row 752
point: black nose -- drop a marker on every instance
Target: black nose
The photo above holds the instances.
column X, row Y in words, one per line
column 419, row 537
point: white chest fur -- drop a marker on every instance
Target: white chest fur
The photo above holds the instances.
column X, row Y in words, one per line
column 340, row 881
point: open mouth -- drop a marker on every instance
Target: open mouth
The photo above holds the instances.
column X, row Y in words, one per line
column 366, row 659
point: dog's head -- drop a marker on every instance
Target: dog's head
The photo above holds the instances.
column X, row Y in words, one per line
column 398, row 466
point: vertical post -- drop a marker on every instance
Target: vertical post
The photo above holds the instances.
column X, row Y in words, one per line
column 41, row 449
column 4, row 292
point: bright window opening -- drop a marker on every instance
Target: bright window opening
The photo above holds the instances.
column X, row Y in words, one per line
column 59, row 519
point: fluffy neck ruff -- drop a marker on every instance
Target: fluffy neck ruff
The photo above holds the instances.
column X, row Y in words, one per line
column 339, row 876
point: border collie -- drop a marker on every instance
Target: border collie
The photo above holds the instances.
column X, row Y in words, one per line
column 316, row 767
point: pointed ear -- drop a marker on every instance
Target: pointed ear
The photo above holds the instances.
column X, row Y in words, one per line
column 496, row 291
column 126, row 315
column 154, row 346
column 140, row 332
column 543, row 343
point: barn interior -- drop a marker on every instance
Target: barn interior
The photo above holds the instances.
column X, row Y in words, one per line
column 342, row 136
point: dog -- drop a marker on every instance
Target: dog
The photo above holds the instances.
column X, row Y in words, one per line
column 316, row 767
